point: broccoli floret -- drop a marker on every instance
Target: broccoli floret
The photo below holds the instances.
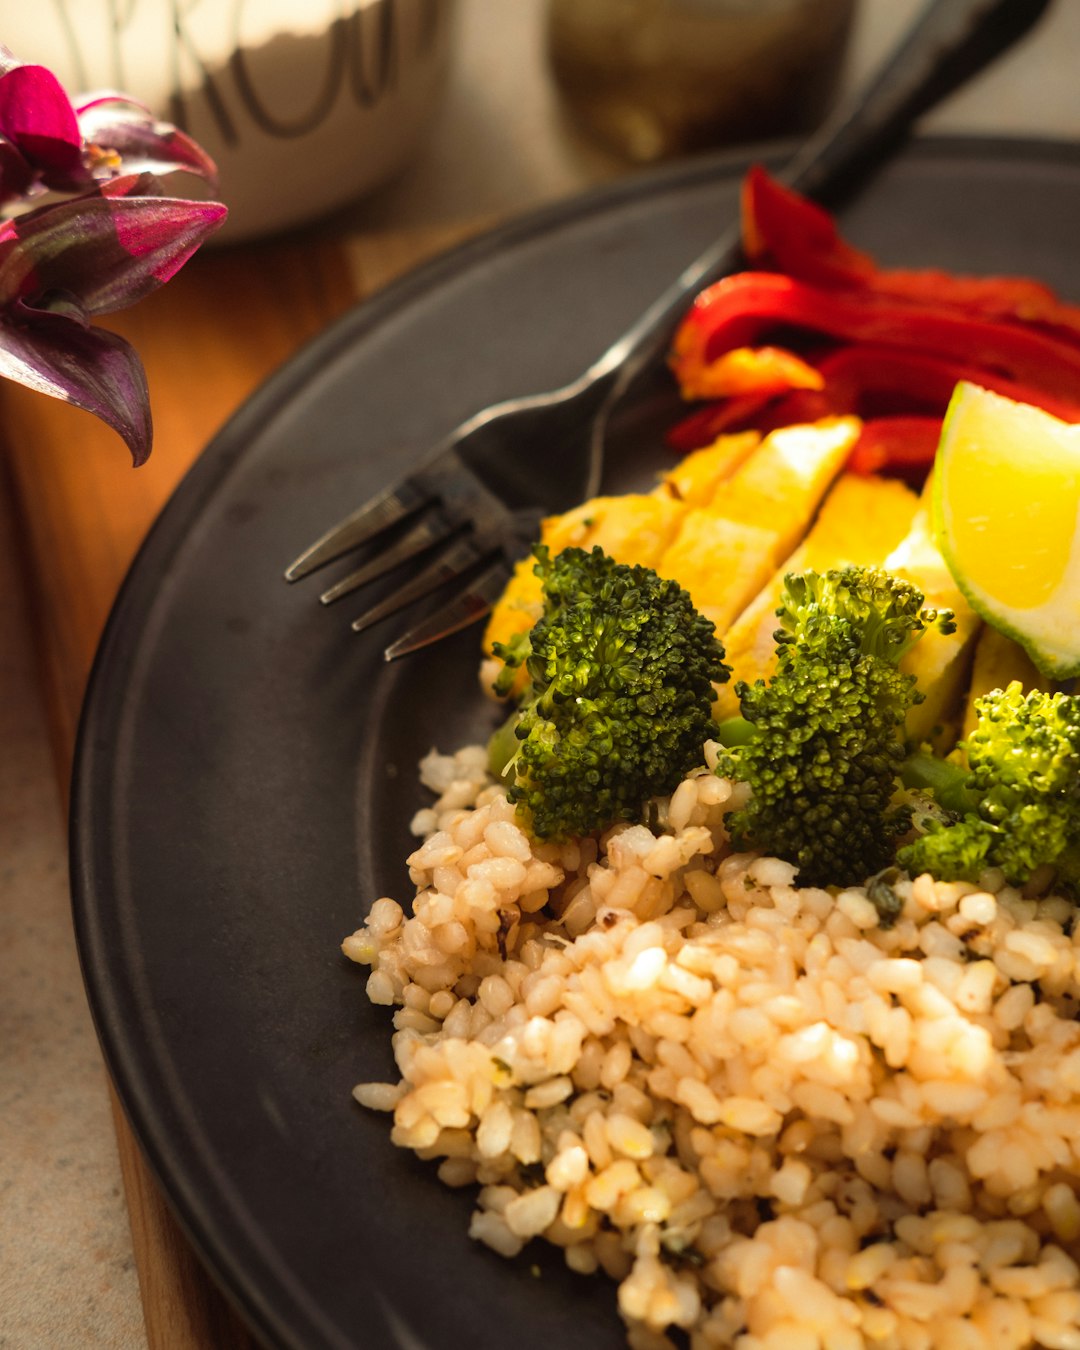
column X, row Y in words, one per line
column 617, row 707
column 824, row 740
column 1017, row 803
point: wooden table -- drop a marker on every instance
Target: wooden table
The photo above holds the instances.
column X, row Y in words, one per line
column 207, row 340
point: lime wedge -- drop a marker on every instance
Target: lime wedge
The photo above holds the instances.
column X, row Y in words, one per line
column 1007, row 521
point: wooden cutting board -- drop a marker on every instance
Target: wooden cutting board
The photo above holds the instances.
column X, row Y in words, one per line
column 207, row 340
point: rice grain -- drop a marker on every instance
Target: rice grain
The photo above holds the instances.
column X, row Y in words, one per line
column 774, row 1124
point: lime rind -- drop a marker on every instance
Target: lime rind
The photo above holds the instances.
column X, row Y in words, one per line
column 1048, row 633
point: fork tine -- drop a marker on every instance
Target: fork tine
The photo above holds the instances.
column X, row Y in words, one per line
column 448, row 566
column 431, row 530
column 476, row 600
column 365, row 524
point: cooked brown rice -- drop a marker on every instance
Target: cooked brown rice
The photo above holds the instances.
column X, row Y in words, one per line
column 775, row 1124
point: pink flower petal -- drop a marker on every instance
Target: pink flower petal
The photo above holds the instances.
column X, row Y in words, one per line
column 36, row 116
column 144, row 143
column 107, row 248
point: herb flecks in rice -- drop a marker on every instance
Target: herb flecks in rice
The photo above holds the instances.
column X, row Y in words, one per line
column 775, row 1123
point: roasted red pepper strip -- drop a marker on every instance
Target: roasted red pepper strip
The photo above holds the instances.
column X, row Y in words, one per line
column 865, row 375
column 901, row 445
column 738, row 310
column 704, row 424
column 764, row 412
column 783, row 229
column 1012, row 299
column 800, row 405
column 906, row 338
column 866, row 379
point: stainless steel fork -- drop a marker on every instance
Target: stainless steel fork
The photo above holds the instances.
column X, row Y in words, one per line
column 474, row 507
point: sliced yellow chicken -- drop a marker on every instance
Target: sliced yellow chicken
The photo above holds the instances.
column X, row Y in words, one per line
column 720, row 561
column 940, row 663
column 782, row 482
column 719, row 524
column 634, row 527
column 695, row 478
column 860, row 521
column 725, row 551
column 997, row 661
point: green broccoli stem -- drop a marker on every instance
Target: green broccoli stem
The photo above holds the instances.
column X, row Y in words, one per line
column 945, row 781
column 733, row 731
column 502, row 746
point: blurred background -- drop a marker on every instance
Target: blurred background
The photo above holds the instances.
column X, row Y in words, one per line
column 430, row 112
column 505, row 139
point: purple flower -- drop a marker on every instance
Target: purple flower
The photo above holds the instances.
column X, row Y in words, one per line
column 99, row 252
column 46, row 141
column 118, row 238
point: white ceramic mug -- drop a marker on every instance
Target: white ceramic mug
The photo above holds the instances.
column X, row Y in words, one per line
column 304, row 104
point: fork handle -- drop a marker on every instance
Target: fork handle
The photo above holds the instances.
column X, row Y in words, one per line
column 948, row 43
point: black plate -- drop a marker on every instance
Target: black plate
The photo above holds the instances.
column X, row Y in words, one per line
column 245, row 771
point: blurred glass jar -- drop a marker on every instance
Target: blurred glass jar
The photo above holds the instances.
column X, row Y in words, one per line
column 653, row 78
column 303, row 104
